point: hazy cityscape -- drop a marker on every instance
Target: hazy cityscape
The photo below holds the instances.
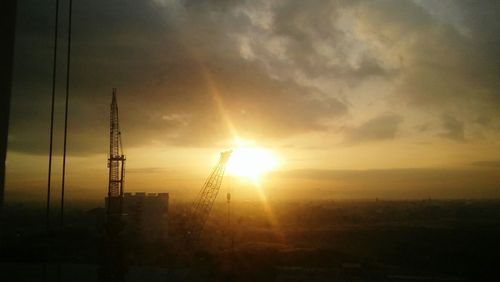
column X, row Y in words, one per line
column 314, row 241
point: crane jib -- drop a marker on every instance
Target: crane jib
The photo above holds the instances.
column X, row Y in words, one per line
column 206, row 197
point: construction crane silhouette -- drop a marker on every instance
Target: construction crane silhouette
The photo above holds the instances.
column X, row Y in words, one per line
column 116, row 162
column 112, row 266
column 205, row 200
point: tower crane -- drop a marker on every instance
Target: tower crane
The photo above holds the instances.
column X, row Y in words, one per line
column 113, row 267
column 116, row 162
column 206, row 197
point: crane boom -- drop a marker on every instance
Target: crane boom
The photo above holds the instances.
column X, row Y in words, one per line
column 206, row 197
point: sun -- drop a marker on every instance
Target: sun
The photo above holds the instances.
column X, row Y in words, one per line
column 250, row 162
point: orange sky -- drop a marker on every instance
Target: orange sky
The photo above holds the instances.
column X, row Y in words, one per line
column 357, row 99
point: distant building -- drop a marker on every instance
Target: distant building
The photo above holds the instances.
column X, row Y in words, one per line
column 145, row 216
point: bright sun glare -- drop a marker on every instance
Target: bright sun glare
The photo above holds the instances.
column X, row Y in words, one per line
column 250, row 162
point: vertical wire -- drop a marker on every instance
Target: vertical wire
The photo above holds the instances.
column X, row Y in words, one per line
column 51, row 142
column 66, row 115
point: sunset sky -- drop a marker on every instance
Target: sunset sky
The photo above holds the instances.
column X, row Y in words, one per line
column 355, row 99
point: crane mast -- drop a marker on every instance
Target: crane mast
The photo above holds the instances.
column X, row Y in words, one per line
column 206, row 197
column 113, row 267
column 116, row 162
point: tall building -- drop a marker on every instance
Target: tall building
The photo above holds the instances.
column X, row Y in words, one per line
column 145, row 216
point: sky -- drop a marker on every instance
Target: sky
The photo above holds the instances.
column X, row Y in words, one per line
column 357, row 99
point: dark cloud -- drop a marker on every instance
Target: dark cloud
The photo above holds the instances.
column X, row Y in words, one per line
column 409, row 174
column 180, row 78
column 317, row 46
column 454, row 128
column 490, row 164
column 184, row 68
column 483, row 120
column 407, row 183
column 441, row 60
column 379, row 128
column 443, row 65
column 143, row 170
column 424, row 127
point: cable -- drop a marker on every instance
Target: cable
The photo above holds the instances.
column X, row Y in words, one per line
column 66, row 115
column 51, row 142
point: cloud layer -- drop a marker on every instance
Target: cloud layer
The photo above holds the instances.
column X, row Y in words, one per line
column 192, row 73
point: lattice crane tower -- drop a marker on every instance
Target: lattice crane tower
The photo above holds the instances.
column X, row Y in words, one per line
column 116, row 162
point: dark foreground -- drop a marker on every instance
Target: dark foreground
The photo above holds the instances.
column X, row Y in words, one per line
column 313, row 241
